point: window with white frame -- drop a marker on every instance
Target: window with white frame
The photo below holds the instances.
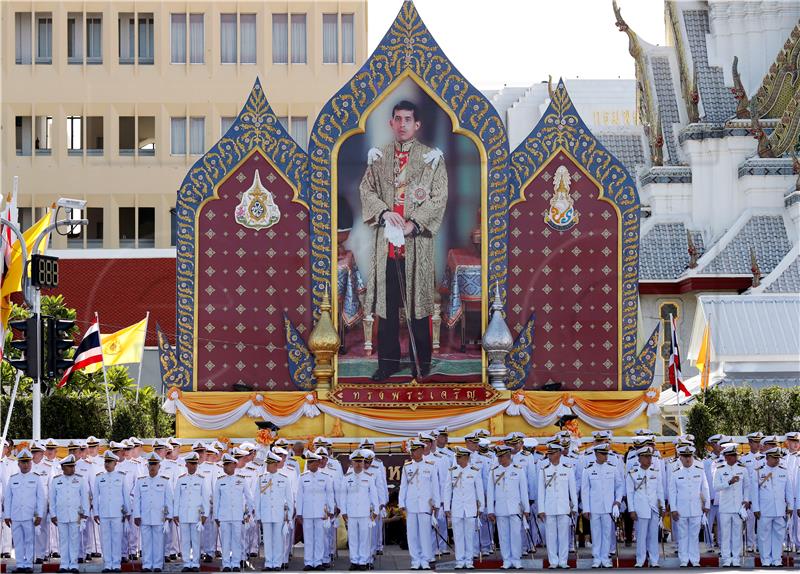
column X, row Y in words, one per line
column 177, row 38
column 146, row 40
column 299, row 42
column 178, row 136
column 330, row 38
column 196, row 39
column 127, row 36
column 197, row 136
column 43, row 130
column 74, row 135
column 247, row 49
column 44, row 38
column 280, row 38
column 227, row 39
column 22, row 38
column 299, row 131
column 22, row 126
column 348, row 39
column 225, row 123
column 75, row 38
column 94, row 38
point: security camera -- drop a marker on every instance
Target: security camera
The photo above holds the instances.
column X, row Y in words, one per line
column 68, row 203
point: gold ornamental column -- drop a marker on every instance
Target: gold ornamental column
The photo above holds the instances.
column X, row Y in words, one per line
column 324, row 343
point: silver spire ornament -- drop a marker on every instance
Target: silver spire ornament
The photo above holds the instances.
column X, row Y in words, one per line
column 497, row 342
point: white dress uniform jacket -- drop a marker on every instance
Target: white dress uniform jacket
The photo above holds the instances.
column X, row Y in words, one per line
column 25, row 499
column 274, row 505
column 69, row 501
column 152, row 504
column 729, row 499
column 112, row 501
column 191, row 502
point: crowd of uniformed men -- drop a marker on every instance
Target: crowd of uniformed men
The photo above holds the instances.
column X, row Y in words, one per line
column 224, row 501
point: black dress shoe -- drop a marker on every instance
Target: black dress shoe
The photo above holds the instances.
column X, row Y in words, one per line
column 95, row 555
column 39, row 561
column 156, row 569
column 124, row 560
column 105, row 570
column 80, row 560
column 147, row 569
column 236, row 569
column 186, row 569
column 72, row 571
column 207, row 558
column 382, row 374
column 167, row 559
column 173, row 556
column 226, row 569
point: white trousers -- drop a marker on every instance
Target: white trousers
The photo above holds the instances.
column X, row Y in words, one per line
column 647, row 539
column 730, row 538
column 190, row 544
column 5, row 537
column 510, row 534
column 90, row 539
column 557, row 528
column 152, row 545
column 69, row 543
column 273, row 543
column 359, row 539
column 209, row 537
column 230, row 537
column 602, row 527
column 111, row 541
column 771, row 532
column 42, row 544
column 688, row 535
column 418, row 530
column 313, row 541
column 464, row 537
column 22, row 532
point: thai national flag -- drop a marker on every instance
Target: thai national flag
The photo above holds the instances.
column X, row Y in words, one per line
column 675, row 377
column 89, row 352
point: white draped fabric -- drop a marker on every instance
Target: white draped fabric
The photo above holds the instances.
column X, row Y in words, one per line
column 248, row 409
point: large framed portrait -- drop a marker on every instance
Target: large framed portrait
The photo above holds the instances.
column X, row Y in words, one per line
column 408, row 207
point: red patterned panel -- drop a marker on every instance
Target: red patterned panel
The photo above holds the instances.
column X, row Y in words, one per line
column 570, row 280
column 246, row 280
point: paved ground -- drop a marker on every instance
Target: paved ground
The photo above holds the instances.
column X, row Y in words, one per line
column 395, row 559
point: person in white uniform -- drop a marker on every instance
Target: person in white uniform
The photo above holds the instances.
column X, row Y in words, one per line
column 419, row 497
column 644, row 488
column 112, row 503
column 315, row 509
column 25, row 503
column 152, row 508
column 601, row 496
column 69, row 505
column 191, row 505
column 508, row 505
column 689, row 500
column 359, row 506
column 733, row 489
column 773, row 502
column 232, row 504
column 274, row 510
column 557, row 504
column 464, row 500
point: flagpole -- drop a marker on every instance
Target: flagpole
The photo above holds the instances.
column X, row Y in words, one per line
column 677, row 386
column 10, row 409
column 105, row 376
column 141, row 358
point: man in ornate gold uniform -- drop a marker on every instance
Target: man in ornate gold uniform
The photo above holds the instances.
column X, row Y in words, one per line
column 403, row 194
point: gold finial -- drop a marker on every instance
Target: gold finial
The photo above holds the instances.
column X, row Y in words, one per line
column 324, row 343
column 692, row 249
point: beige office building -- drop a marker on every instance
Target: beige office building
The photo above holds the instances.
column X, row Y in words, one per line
column 113, row 101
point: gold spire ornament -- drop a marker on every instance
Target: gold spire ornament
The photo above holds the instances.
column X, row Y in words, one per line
column 324, row 343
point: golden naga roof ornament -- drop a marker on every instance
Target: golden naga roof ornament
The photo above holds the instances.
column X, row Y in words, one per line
column 742, row 110
column 688, row 86
column 764, row 145
column 781, row 81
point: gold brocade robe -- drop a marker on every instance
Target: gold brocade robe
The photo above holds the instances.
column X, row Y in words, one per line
column 425, row 202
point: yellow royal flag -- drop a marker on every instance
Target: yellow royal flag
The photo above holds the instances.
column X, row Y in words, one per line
column 123, row 347
column 704, row 358
column 12, row 282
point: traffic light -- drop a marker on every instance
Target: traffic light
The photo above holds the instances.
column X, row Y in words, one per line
column 59, row 340
column 31, row 360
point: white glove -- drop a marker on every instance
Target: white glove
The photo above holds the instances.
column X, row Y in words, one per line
column 394, row 235
column 383, row 513
column 704, row 520
column 199, row 527
column 285, row 529
column 434, row 521
column 82, row 526
column 373, row 154
column 526, row 523
column 615, row 512
column 166, row 526
column 433, row 157
column 743, row 513
column 326, row 524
